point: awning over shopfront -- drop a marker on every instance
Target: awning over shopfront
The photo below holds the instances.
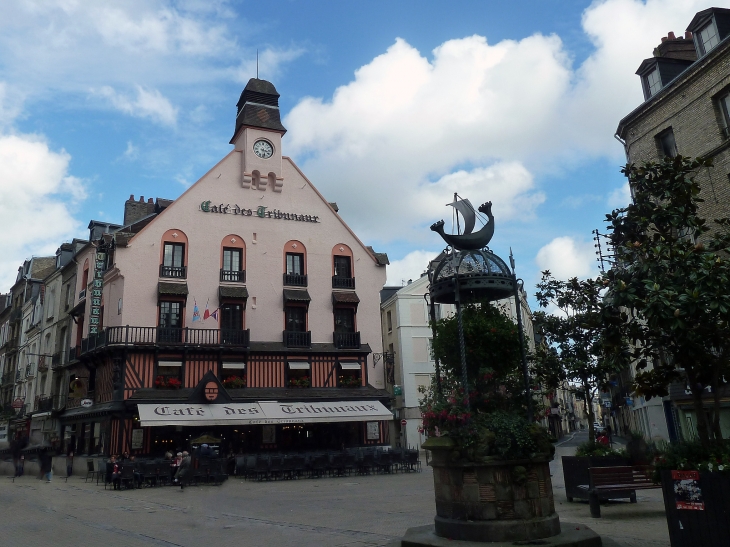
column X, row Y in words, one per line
column 262, row 412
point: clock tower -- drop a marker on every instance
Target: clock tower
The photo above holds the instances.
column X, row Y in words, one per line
column 258, row 136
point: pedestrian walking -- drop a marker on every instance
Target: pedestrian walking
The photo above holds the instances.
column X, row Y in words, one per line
column 184, row 470
column 46, row 461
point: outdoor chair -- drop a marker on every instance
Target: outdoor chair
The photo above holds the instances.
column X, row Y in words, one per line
column 261, row 470
column 413, row 461
column 319, row 465
column 250, row 469
column 287, row 467
column 127, row 476
column 276, row 467
column 300, row 465
column 366, row 464
column 240, row 468
column 384, row 463
column 337, row 465
column 91, row 471
column 397, row 459
column 350, row 463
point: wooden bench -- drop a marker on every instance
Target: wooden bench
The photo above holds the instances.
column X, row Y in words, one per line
column 618, row 482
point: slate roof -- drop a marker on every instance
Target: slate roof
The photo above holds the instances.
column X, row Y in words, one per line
column 232, row 291
column 345, row 297
column 164, row 287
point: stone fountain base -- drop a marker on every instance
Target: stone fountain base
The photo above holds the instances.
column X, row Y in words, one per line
column 572, row 535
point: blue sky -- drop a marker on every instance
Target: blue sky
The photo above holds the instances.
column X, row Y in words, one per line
column 390, row 107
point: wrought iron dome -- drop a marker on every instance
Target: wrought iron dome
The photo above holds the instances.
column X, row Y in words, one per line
column 482, row 276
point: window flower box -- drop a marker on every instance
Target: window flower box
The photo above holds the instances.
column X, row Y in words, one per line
column 161, row 382
column 234, row 382
column 302, row 381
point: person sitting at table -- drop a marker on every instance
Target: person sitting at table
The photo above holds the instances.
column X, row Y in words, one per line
column 137, row 474
column 116, row 473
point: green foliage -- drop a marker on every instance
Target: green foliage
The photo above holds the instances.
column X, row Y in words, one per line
column 573, row 336
column 693, row 456
column 493, row 426
column 668, row 290
column 592, row 448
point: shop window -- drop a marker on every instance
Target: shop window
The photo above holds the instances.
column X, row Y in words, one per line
column 350, row 374
column 298, row 374
column 173, row 261
column 169, row 375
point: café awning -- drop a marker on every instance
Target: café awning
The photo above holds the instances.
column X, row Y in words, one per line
column 261, row 412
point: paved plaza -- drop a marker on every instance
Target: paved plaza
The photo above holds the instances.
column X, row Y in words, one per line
column 353, row 511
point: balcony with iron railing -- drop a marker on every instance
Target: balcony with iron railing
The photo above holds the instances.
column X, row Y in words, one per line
column 233, row 275
column 346, row 340
column 162, row 336
column 297, row 339
column 56, row 361
column 18, row 376
column 43, row 404
column 175, row 272
column 8, row 378
column 295, row 280
column 29, row 372
column 42, row 363
column 339, row 282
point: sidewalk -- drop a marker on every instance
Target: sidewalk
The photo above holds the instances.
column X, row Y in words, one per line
column 642, row 524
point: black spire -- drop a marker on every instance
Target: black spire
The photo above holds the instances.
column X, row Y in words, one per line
column 258, row 107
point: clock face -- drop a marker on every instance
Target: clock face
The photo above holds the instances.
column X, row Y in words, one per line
column 263, row 149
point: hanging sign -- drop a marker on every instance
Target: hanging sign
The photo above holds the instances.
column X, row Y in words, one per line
column 98, row 285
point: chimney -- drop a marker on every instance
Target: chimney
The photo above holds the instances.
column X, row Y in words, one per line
column 676, row 48
column 135, row 210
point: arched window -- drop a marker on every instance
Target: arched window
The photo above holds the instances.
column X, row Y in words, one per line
column 343, row 274
column 174, row 254
column 295, row 264
column 233, row 259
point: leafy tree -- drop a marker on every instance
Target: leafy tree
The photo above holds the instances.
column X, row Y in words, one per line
column 669, row 286
column 573, row 336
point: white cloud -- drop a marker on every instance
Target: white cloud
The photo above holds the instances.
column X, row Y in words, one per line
column 566, row 257
column 620, row 197
column 270, row 63
column 35, row 191
column 410, row 266
column 148, row 104
column 132, row 152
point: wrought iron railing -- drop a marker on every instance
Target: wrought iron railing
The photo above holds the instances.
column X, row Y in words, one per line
column 74, row 353
column 233, row 275
column 295, row 280
column 178, row 272
column 42, row 363
column 137, row 336
column 43, row 404
column 293, row 339
column 56, row 361
column 29, row 372
column 346, row 340
column 343, row 282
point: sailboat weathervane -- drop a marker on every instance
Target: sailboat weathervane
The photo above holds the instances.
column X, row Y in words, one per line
column 468, row 241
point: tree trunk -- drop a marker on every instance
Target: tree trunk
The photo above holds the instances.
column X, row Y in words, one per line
column 702, row 425
column 591, row 416
column 716, row 431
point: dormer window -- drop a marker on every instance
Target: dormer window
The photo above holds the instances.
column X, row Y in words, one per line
column 707, row 38
column 653, row 82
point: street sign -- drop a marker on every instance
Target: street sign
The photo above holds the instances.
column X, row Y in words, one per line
column 403, row 423
column 18, row 403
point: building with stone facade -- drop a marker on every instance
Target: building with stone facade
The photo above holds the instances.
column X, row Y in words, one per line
column 686, row 111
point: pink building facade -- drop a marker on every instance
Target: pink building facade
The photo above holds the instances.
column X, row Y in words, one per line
column 247, row 293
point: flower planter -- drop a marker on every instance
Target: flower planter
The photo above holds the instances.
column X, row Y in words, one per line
column 709, row 527
column 493, row 501
column 575, row 473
